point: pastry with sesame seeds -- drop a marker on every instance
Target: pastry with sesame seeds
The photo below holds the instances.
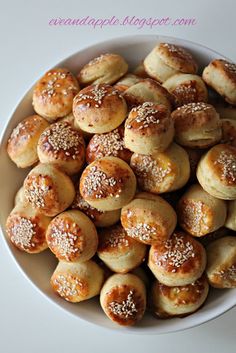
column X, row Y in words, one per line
column 105, row 68
column 22, row 143
column 70, row 119
column 98, row 217
column 221, row 262
column 199, row 213
column 228, row 127
column 166, row 60
column 26, row 228
column 118, row 251
column 108, row 144
column 63, row 146
column 148, row 218
column 147, row 90
column 53, row 94
column 163, row 172
column 216, row 172
column 178, row 301
column 149, row 129
column 221, row 76
column 99, row 108
column 123, row 299
column 186, row 88
column 108, row 184
column 197, row 125
column 72, row 237
column 76, row 282
column 48, row 189
column 178, row 261
column 230, row 222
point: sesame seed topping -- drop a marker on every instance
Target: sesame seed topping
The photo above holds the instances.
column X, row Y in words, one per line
column 178, row 251
column 177, row 50
column 194, row 107
column 227, row 161
column 125, row 309
column 193, row 216
column 185, row 93
column 146, row 115
column 109, row 144
column 67, row 286
column 228, row 273
column 117, row 237
column 53, row 87
column 97, row 59
column 82, row 205
column 37, row 190
column 142, row 231
column 22, row 232
column 97, row 94
column 231, row 67
column 19, row 129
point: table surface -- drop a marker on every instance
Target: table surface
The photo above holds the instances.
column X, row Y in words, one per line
column 28, row 322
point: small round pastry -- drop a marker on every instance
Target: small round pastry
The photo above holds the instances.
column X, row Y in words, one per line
column 166, row 60
column 228, row 131
column 63, row 146
column 70, row 119
column 98, row 217
column 178, row 261
column 108, row 184
column 197, row 125
column 98, row 109
column 26, row 228
column 22, row 144
column 106, row 68
column 221, row 262
column 199, row 213
column 216, row 172
column 118, row 251
column 108, row 144
column 194, row 156
column 162, row 172
column 186, row 88
column 53, row 94
column 221, row 76
column 72, row 237
column 149, row 129
column 231, row 215
column 123, row 299
column 147, row 90
column 148, row 218
column 76, row 282
column 20, row 197
column 127, row 81
column 179, row 301
column 48, row 189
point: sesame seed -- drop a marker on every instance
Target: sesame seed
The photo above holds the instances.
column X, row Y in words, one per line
column 146, row 115
column 37, row 191
column 228, row 273
column 67, row 286
column 22, row 232
column 194, row 107
column 108, row 144
column 227, row 161
column 97, row 94
column 177, row 50
column 117, row 237
column 142, row 231
column 125, row 309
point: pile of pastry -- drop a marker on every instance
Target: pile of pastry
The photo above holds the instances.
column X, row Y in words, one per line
column 133, row 182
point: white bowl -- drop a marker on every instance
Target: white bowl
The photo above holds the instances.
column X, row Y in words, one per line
column 38, row 268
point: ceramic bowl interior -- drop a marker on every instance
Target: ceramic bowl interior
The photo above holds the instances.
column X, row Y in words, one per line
column 38, row 268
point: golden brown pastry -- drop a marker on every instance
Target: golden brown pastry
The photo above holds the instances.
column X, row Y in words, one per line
column 148, row 218
column 166, row 60
column 127, row 81
column 76, row 282
column 139, row 70
column 186, row 88
column 26, row 228
column 221, row 76
column 197, row 125
column 199, row 213
column 228, row 131
column 72, row 237
column 108, row 183
column 108, row 144
column 118, row 251
column 123, row 299
column 99, row 109
column 178, row 261
column 63, row 146
column 70, row 119
column 230, row 222
column 106, row 68
column 149, row 129
column 22, row 144
column 163, row 172
column 178, row 301
column 53, row 94
column 48, row 189
column 221, row 262
column 147, row 90
column 98, row 217
column 216, row 172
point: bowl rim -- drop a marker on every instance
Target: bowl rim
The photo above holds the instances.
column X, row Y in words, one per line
column 135, row 329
